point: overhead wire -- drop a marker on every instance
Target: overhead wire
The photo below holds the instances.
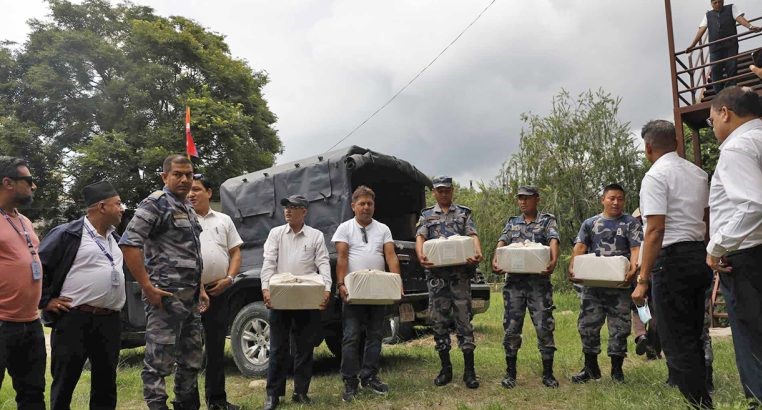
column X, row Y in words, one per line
column 415, row 77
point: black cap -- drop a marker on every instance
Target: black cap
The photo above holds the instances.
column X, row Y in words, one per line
column 98, row 191
column 442, row 180
column 528, row 190
column 294, row 200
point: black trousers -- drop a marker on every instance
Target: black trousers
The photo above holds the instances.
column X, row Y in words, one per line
column 22, row 352
column 742, row 289
column 79, row 336
column 215, row 321
column 305, row 325
column 680, row 279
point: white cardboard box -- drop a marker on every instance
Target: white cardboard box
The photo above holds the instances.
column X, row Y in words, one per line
column 526, row 257
column 449, row 251
column 373, row 287
column 601, row 271
column 296, row 292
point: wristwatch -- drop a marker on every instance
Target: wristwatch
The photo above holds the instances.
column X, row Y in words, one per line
column 230, row 277
column 642, row 281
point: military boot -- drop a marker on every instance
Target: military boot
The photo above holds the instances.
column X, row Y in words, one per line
column 509, row 381
column 617, row 374
column 547, row 374
column 591, row 371
column 469, row 374
column 445, row 375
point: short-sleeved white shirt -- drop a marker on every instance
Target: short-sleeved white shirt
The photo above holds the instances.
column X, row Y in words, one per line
column 364, row 255
column 218, row 237
column 733, row 9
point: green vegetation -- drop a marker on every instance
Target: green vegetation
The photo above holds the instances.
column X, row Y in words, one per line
column 409, row 368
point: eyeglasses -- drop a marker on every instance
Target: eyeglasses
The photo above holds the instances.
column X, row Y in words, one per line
column 292, row 207
column 28, row 178
column 364, row 235
column 198, row 177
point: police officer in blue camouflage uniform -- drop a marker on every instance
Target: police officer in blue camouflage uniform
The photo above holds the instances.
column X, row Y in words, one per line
column 532, row 291
column 611, row 233
column 168, row 269
column 449, row 287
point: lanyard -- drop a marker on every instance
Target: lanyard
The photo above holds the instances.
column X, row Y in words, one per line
column 103, row 249
column 23, row 228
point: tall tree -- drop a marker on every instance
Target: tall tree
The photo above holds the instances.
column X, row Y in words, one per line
column 571, row 154
column 106, row 88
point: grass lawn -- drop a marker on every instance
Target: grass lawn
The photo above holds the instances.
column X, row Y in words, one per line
column 409, row 369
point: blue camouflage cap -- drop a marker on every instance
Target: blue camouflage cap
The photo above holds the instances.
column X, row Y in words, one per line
column 442, row 180
column 528, row 190
column 294, row 200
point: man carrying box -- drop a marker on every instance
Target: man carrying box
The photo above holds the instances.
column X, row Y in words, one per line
column 449, row 287
column 611, row 233
column 362, row 243
column 300, row 250
column 533, row 291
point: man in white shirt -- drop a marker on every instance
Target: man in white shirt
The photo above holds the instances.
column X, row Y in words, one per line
column 300, row 250
column 673, row 202
column 221, row 253
column 735, row 248
column 362, row 243
column 83, row 292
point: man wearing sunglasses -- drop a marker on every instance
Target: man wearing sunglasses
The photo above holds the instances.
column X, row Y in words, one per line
column 83, row 293
column 22, row 343
column 362, row 243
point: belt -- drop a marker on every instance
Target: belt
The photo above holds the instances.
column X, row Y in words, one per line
column 98, row 311
column 681, row 247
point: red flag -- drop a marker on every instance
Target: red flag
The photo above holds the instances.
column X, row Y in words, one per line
column 190, row 146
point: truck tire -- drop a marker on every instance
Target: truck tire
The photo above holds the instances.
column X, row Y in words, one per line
column 250, row 340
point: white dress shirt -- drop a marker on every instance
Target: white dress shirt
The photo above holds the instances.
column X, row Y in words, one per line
column 298, row 253
column 679, row 190
column 218, row 237
column 368, row 252
column 735, row 198
column 90, row 280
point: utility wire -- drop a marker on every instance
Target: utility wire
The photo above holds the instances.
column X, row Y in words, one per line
column 393, row 97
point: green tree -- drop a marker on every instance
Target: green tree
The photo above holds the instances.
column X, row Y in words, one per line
column 104, row 88
column 570, row 155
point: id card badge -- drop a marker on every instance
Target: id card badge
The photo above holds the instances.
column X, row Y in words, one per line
column 36, row 270
column 114, row 277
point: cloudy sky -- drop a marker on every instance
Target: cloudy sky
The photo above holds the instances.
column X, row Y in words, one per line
column 332, row 63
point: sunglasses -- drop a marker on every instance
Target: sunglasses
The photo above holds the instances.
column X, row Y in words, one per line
column 28, row 178
column 198, row 177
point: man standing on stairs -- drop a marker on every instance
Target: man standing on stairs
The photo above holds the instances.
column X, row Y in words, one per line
column 721, row 23
column 529, row 291
column 611, row 233
column 673, row 200
column 449, row 287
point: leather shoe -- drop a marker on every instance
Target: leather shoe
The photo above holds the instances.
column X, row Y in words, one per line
column 271, row 403
column 301, row 398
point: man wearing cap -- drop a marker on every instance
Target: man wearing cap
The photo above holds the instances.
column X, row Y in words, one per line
column 162, row 249
column 449, row 287
column 610, row 233
column 22, row 342
column 362, row 243
column 83, row 292
column 300, row 250
column 221, row 252
column 532, row 291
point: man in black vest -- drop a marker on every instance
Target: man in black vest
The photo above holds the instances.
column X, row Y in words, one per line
column 721, row 22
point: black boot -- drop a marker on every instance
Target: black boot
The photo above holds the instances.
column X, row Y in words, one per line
column 617, row 374
column 509, row 381
column 469, row 374
column 590, row 372
column 445, row 375
column 547, row 374
column 709, row 378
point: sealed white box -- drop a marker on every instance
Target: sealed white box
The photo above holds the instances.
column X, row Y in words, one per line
column 296, row 292
column 601, row 271
column 373, row 287
column 526, row 257
column 449, row 251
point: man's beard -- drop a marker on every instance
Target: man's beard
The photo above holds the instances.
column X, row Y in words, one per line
column 24, row 200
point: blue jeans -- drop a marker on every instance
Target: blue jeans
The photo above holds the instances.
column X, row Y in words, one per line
column 728, row 68
column 22, row 352
column 742, row 289
column 359, row 319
